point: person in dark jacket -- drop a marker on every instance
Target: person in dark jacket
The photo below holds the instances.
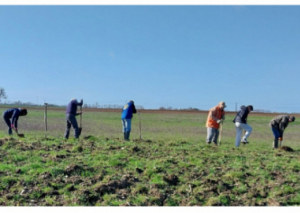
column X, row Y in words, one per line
column 11, row 117
column 278, row 125
column 71, row 112
column 127, row 112
column 240, row 121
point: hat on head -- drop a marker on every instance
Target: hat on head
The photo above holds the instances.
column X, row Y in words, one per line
column 292, row 118
column 222, row 103
column 251, row 107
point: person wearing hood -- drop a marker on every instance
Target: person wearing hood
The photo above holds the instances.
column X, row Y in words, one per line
column 127, row 112
column 240, row 121
column 278, row 125
column 71, row 112
column 216, row 115
column 11, row 117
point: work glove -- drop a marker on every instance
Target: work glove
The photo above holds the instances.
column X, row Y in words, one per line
column 220, row 121
column 13, row 127
column 280, row 139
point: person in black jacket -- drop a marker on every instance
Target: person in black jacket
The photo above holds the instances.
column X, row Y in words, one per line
column 71, row 112
column 240, row 121
column 278, row 125
column 11, row 117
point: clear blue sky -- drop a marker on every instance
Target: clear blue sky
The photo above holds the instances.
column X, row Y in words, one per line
column 171, row 56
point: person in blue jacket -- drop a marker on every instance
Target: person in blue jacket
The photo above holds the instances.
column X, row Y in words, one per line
column 71, row 112
column 240, row 121
column 127, row 112
column 11, row 117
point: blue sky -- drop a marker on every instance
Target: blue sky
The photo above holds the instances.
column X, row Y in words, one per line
column 171, row 56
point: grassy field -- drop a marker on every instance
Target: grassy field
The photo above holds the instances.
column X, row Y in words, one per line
column 172, row 166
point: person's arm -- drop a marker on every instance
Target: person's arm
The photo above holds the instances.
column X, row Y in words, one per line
column 80, row 103
column 14, row 119
column 244, row 115
column 212, row 114
column 282, row 125
column 133, row 108
column 223, row 115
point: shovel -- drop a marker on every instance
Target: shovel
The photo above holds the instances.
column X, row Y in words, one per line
column 80, row 124
column 21, row 135
column 280, row 143
column 140, row 128
column 221, row 128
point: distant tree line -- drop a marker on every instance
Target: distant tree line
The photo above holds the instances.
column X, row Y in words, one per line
column 262, row 110
column 171, row 108
column 108, row 106
column 20, row 103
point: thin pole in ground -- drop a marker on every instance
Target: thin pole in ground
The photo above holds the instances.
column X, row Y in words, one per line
column 221, row 128
column 140, row 127
column 81, row 117
column 80, row 122
column 45, row 117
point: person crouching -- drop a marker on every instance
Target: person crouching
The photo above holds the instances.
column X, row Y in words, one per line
column 11, row 117
column 278, row 125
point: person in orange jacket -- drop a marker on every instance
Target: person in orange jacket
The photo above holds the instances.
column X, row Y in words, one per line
column 216, row 115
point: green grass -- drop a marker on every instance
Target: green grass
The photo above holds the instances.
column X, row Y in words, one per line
column 75, row 173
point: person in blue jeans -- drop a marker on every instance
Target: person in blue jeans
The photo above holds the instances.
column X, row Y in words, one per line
column 71, row 114
column 127, row 112
column 11, row 117
column 278, row 125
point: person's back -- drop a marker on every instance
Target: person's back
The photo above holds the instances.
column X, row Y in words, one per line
column 72, row 107
column 241, row 116
column 279, row 120
column 128, row 110
column 13, row 111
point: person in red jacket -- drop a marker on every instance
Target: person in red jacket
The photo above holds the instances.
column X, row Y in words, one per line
column 216, row 115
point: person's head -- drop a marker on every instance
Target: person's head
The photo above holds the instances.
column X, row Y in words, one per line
column 23, row 112
column 250, row 107
column 222, row 105
column 292, row 118
column 131, row 101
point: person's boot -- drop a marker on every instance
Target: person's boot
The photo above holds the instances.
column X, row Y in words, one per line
column 76, row 133
column 67, row 133
column 125, row 134
column 128, row 135
column 275, row 144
